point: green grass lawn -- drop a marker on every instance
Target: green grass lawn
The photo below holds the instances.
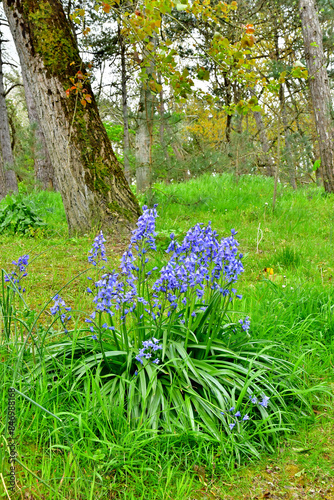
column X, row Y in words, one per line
column 296, row 240
column 287, row 292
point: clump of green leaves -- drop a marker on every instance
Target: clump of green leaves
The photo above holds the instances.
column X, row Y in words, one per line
column 19, row 216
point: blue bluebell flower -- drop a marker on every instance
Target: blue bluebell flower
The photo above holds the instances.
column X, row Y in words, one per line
column 58, row 305
column 149, row 347
column 61, row 308
column 264, row 401
column 98, row 249
column 245, row 324
column 19, row 272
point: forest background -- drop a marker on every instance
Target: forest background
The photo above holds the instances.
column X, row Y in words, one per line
column 226, row 93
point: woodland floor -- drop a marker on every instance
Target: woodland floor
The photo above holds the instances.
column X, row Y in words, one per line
column 295, row 299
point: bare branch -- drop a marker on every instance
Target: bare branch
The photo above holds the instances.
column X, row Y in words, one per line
column 13, row 87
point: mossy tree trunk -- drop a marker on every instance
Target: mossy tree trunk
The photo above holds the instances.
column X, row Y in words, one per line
column 91, row 181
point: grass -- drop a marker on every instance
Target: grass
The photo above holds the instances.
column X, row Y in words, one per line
column 293, row 304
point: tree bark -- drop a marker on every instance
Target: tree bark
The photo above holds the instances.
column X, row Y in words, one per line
column 44, row 172
column 3, row 189
column 126, row 137
column 9, row 177
column 144, row 134
column 267, row 160
column 278, row 158
column 162, row 127
column 319, row 88
column 290, row 160
column 91, row 181
column 144, row 140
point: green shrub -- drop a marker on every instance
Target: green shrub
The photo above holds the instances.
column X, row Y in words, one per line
column 19, row 216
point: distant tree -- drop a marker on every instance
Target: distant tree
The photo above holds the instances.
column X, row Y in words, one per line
column 319, row 88
column 8, row 181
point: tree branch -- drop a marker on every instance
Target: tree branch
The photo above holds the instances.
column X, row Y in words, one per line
column 13, row 87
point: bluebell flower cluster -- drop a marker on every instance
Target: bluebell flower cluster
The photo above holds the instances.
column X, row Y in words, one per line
column 198, row 267
column 98, row 250
column 19, row 272
column 119, row 290
column 201, row 261
column 143, row 239
column 245, row 324
column 237, row 415
column 112, row 293
column 60, row 307
column 148, row 351
column 145, row 232
column 263, row 403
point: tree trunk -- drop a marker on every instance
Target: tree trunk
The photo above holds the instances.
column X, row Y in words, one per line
column 144, row 134
column 290, row 160
column 3, row 189
column 268, row 162
column 319, row 88
column 126, row 137
column 144, row 139
column 9, row 177
column 44, row 172
column 228, row 100
column 162, row 128
column 278, row 158
column 90, row 179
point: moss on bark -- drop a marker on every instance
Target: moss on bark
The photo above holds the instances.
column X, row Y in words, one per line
column 53, row 41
